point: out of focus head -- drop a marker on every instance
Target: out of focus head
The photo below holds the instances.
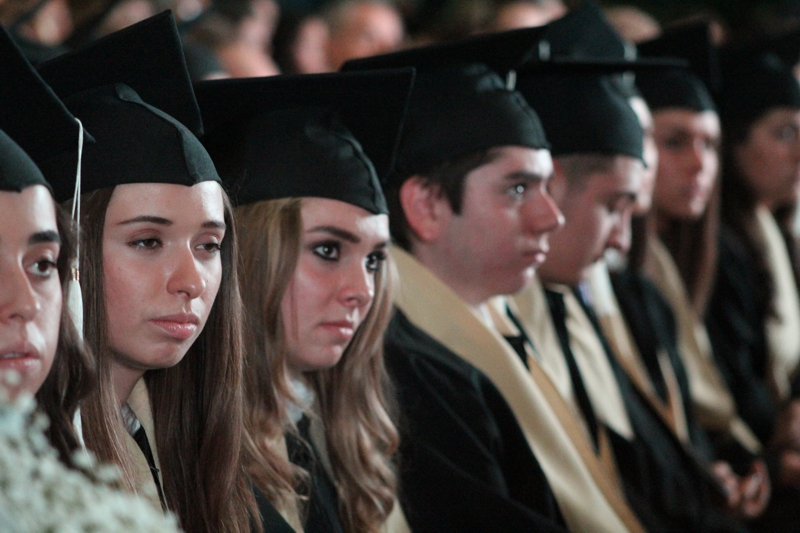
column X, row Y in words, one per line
column 527, row 13
column 361, row 28
column 632, row 23
column 760, row 112
column 687, row 129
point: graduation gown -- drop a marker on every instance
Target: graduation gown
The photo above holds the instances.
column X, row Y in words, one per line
column 667, row 486
column 713, row 405
column 758, row 357
column 483, row 448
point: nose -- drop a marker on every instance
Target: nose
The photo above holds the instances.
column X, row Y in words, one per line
column 542, row 215
column 620, row 237
column 357, row 288
column 17, row 298
column 187, row 277
column 694, row 161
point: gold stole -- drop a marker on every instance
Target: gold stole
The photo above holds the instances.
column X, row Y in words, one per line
column 783, row 328
column 619, row 337
column 588, row 495
column 711, row 398
column 144, row 484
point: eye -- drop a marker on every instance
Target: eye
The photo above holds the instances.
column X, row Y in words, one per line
column 212, row 247
column 329, row 251
column 146, row 244
column 787, row 134
column 43, row 268
column 517, row 191
column 375, row 260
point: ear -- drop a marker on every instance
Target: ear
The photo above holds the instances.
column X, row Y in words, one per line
column 425, row 207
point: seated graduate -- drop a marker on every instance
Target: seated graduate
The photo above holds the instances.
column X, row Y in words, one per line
column 38, row 338
column 314, row 235
column 753, row 316
column 675, row 247
column 598, row 161
column 487, row 444
column 163, row 313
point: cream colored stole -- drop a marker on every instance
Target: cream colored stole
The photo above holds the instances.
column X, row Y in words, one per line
column 144, row 484
column 783, row 328
column 711, row 398
column 588, row 495
column 619, row 337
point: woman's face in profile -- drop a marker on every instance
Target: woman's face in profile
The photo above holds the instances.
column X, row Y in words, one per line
column 333, row 286
column 30, row 288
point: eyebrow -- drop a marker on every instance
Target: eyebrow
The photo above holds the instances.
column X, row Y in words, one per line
column 344, row 235
column 146, row 219
column 44, row 237
column 527, row 176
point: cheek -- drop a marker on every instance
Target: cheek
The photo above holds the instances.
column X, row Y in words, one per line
column 51, row 322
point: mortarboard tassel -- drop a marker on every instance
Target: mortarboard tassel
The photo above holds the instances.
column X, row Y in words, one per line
column 74, row 293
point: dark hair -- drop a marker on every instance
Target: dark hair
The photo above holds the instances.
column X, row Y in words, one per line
column 738, row 210
column 72, row 376
column 198, row 405
column 448, row 178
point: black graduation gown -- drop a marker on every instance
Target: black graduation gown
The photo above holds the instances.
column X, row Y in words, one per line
column 321, row 514
column 738, row 336
column 665, row 485
column 465, row 464
column 271, row 519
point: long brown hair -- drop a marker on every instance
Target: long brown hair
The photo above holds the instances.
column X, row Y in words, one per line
column 353, row 395
column 72, row 376
column 197, row 404
column 693, row 246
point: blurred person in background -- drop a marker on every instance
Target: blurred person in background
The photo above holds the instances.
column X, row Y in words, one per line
column 239, row 33
column 38, row 27
column 527, row 13
column 300, row 43
column 361, row 28
column 633, row 23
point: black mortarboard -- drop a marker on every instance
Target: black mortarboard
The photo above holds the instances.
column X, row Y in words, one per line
column 680, row 87
column 459, row 104
column 754, row 82
column 33, row 116
column 582, row 34
column 131, row 89
column 300, row 136
column 584, row 114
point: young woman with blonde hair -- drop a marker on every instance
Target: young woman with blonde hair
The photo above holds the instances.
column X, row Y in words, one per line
column 314, row 234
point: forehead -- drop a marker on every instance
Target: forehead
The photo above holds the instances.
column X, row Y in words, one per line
column 510, row 160
column 687, row 119
column 624, row 178
column 23, row 213
column 324, row 212
column 178, row 203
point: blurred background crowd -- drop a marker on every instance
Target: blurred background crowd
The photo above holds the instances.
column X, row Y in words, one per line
column 241, row 38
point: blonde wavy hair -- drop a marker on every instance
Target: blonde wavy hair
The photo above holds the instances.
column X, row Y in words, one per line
column 353, row 395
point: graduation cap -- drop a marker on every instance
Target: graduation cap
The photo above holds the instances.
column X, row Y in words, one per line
column 584, row 114
column 459, row 104
column 681, row 87
column 33, row 116
column 753, row 82
column 582, row 34
column 323, row 135
column 142, row 113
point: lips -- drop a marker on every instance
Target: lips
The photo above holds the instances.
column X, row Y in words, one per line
column 179, row 326
column 22, row 358
column 345, row 329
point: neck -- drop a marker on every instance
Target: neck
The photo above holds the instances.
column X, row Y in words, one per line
column 124, row 379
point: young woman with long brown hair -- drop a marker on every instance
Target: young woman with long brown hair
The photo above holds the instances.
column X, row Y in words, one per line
column 159, row 274
column 313, row 235
column 36, row 266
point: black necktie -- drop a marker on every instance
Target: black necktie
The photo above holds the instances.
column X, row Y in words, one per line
column 558, row 311
column 140, row 436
